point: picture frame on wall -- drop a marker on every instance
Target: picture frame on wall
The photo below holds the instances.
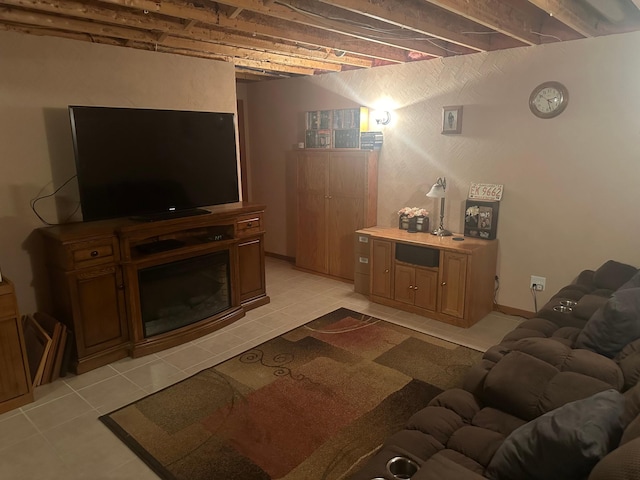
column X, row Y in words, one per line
column 481, row 219
column 452, row 120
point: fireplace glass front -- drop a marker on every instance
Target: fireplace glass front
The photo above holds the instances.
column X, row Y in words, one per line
column 180, row 293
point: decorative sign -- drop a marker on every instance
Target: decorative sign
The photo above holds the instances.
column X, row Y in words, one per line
column 485, row 191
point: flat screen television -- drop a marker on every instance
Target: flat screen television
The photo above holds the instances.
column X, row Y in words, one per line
column 149, row 163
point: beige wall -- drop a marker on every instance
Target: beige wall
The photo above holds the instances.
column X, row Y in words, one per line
column 39, row 78
column 571, row 183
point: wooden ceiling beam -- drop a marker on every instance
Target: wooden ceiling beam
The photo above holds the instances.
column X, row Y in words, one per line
column 575, row 16
column 313, row 37
column 248, row 54
column 188, row 29
column 312, row 13
column 497, row 15
column 132, row 35
column 417, row 18
column 287, row 31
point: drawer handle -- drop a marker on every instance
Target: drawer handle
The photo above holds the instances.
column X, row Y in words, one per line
column 94, row 253
column 443, row 283
column 249, row 224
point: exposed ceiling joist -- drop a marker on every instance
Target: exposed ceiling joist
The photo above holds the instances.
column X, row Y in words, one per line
column 274, row 38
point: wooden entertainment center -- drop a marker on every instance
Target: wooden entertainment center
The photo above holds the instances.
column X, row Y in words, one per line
column 95, row 270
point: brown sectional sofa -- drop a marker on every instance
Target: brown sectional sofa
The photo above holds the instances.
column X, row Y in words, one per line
column 558, row 398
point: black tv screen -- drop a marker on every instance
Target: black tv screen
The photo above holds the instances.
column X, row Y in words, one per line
column 136, row 162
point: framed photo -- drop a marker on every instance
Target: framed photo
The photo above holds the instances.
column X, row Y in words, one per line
column 452, row 120
column 481, row 219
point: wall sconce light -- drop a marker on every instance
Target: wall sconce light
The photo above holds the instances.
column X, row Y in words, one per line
column 382, row 117
column 438, row 191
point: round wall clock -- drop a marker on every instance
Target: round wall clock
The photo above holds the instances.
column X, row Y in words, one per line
column 548, row 99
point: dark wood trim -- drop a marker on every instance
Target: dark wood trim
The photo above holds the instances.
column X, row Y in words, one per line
column 280, row 257
column 513, row 311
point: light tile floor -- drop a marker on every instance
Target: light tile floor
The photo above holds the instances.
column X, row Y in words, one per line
column 59, row 437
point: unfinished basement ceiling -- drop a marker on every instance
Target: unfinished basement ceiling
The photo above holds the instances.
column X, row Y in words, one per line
column 286, row 38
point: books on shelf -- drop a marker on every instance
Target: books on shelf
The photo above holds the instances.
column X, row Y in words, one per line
column 371, row 140
column 338, row 128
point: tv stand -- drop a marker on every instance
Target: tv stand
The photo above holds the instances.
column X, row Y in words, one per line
column 155, row 217
column 95, row 273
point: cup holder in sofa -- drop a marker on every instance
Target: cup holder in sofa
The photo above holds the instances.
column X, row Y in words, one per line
column 568, row 303
column 563, row 309
column 402, row 467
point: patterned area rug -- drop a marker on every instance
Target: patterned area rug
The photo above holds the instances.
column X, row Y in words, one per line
column 310, row 404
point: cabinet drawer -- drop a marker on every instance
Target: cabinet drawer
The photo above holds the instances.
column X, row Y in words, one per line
column 362, row 243
column 249, row 224
column 89, row 254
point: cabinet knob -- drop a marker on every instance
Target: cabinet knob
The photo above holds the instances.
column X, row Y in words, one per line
column 94, row 253
column 443, row 283
column 249, row 224
column 386, row 271
column 415, row 288
column 121, row 286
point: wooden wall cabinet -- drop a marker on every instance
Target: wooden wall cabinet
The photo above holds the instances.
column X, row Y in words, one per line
column 336, row 195
column 459, row 290
column 15, row 380
column 94, row 269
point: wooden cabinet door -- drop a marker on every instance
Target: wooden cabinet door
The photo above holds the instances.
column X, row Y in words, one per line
column 345, row 217
column 311, row 239
column 453, row 284
column 381, row 256
column 426, row 289
column 14, row 376
column 405, row 280
column 346, row 204
column 252, row 275
column 99, row 307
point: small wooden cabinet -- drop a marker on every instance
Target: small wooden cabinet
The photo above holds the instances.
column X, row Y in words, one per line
column 416, row 286
column 444, row 279
column 336, row 195
column 95, row 267
column 15, row 380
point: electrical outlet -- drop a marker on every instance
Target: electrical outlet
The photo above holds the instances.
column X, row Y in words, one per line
column 537, row 283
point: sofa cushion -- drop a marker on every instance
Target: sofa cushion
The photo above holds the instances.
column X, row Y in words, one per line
column 567, row 359
column 571, row 439
column 612, row 275
column 629, row 362
column 634, row 282
column 621, row 464
column 614, row 325
column 526, row 386
column 440, row 467
column 588, row 305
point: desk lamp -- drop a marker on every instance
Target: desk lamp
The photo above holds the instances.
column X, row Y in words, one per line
column 438, row 191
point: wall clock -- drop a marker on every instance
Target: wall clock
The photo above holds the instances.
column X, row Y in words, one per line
column 548, row 99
